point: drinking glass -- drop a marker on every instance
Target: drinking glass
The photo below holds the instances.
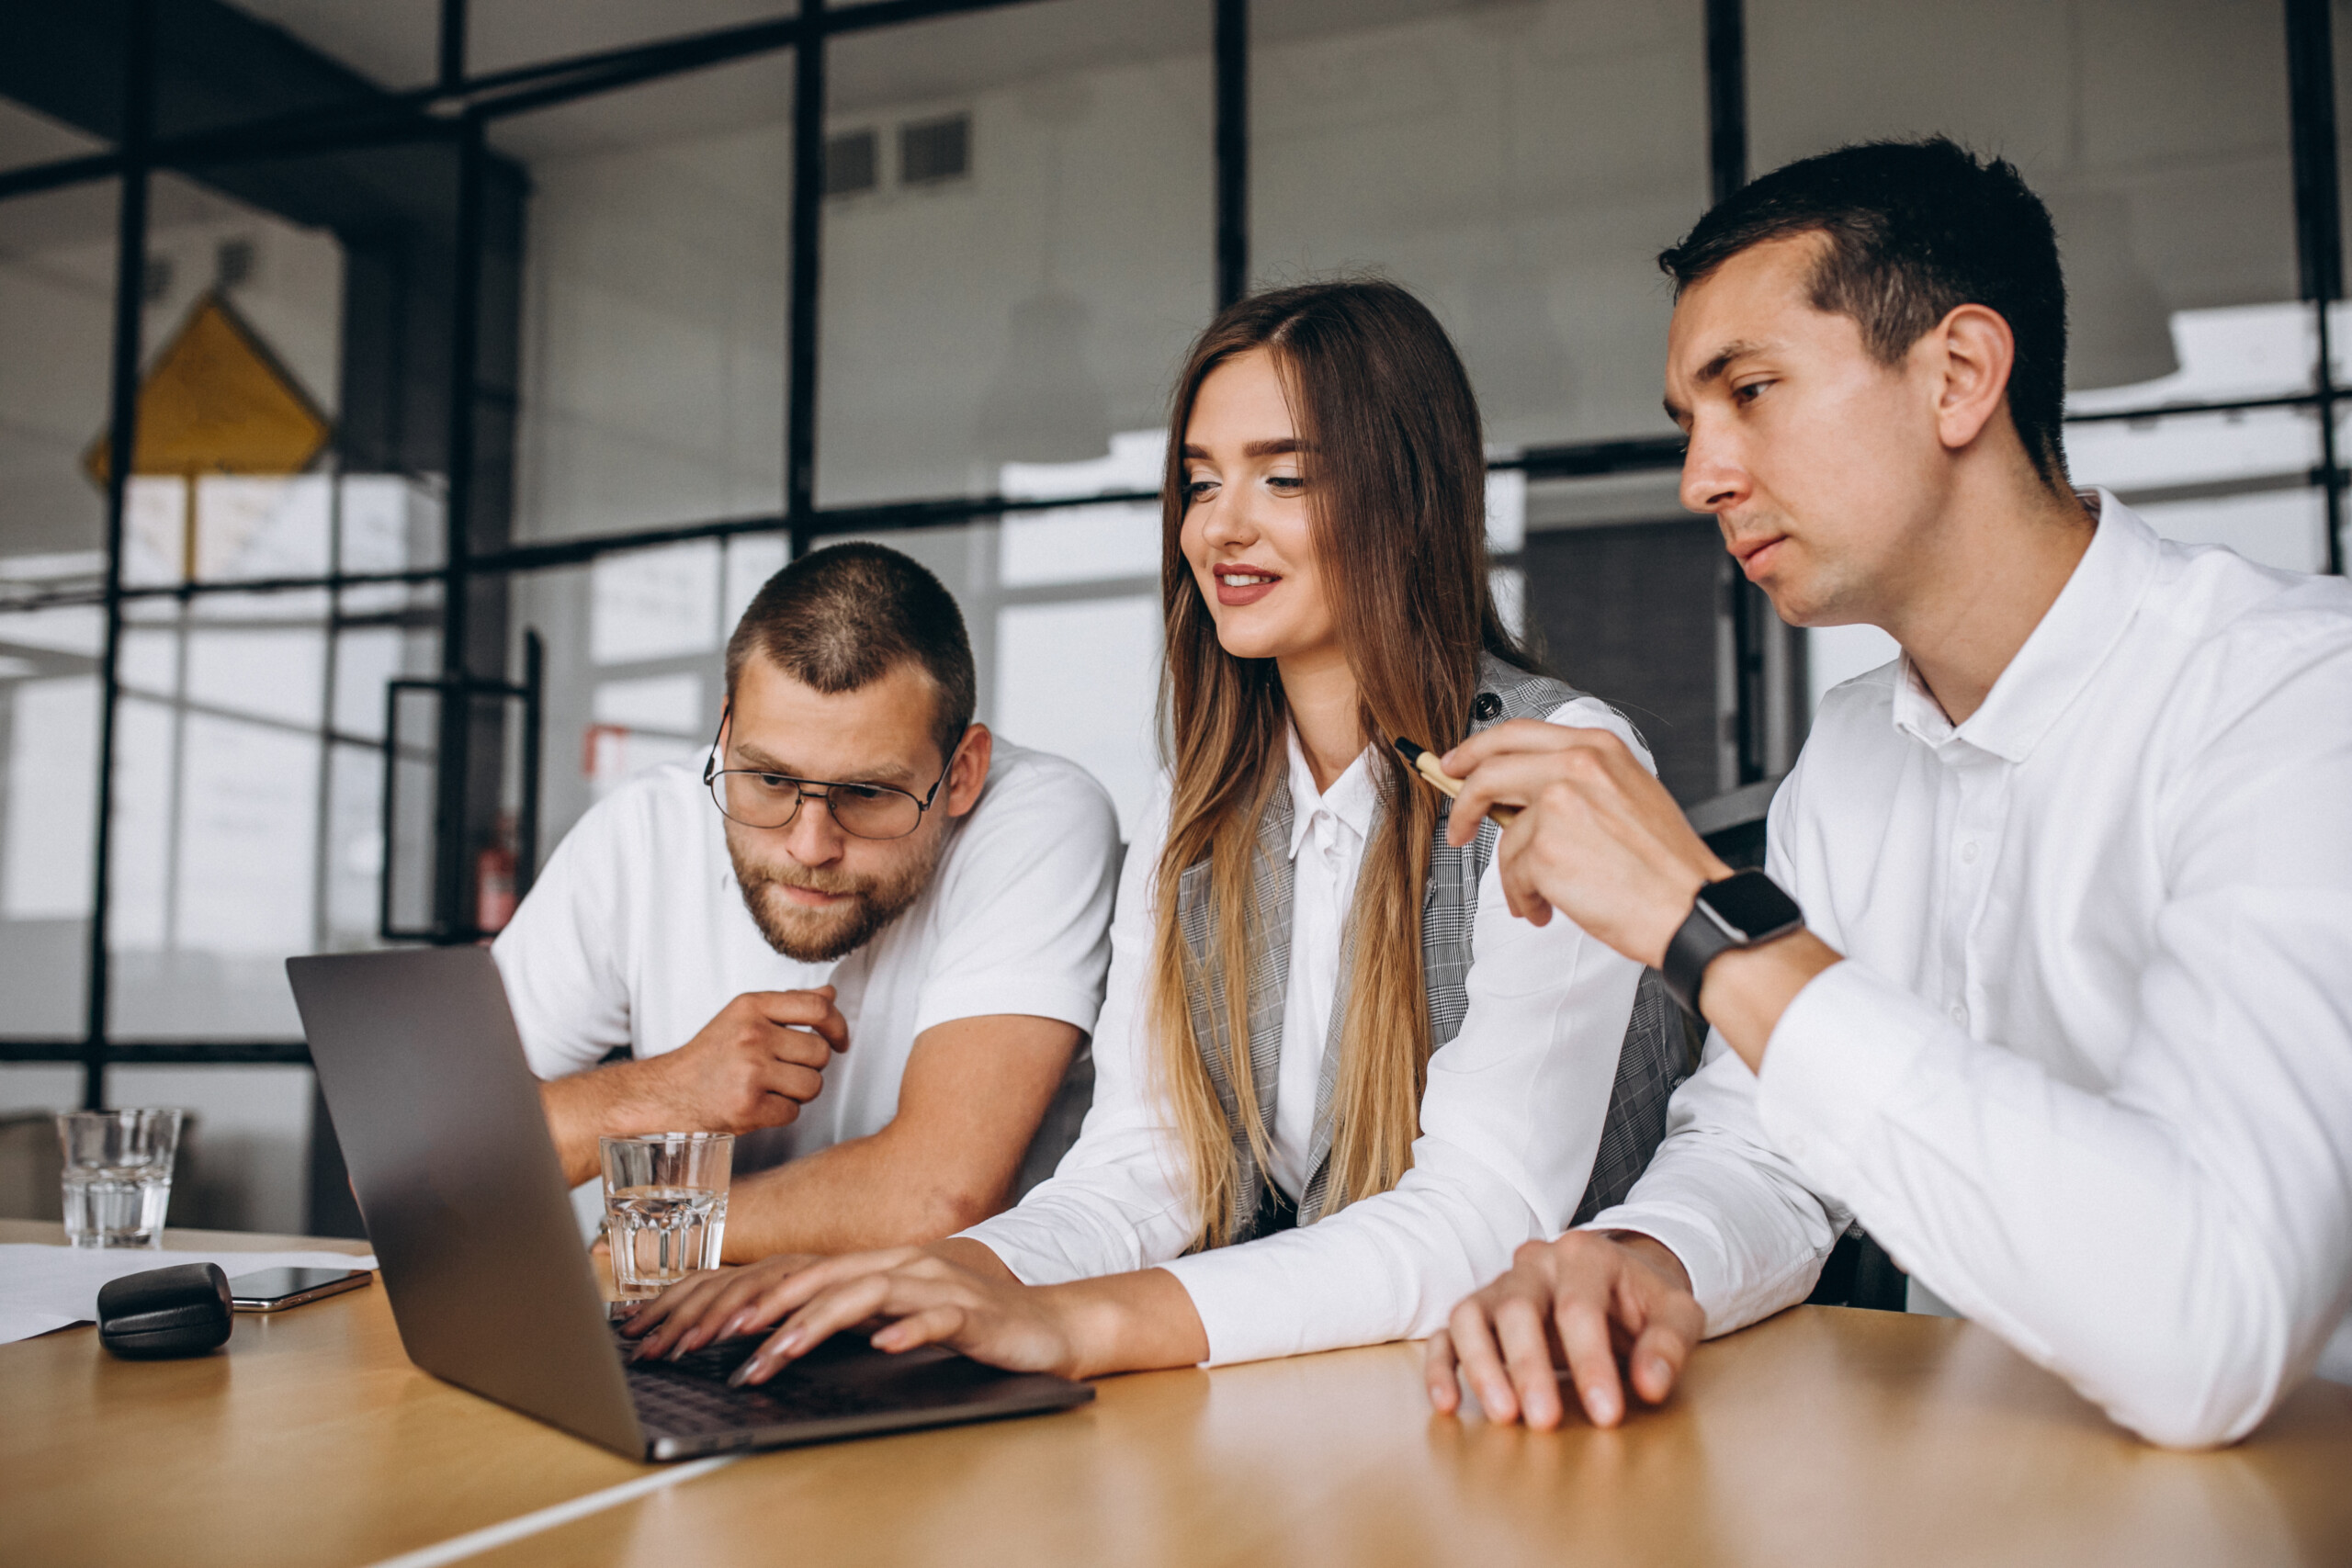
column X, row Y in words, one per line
column 117, row 1175
column 665, row 1207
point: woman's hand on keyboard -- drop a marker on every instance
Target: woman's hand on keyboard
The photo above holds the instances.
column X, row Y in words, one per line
column 697, row 1310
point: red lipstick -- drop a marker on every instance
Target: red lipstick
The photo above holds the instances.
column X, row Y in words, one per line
column 1232, row 594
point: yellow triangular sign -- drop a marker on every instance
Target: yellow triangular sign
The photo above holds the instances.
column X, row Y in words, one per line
column 218, row 401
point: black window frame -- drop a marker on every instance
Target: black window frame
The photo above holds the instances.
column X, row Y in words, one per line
column 456, row 109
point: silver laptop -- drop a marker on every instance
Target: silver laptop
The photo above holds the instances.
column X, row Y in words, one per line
column 465, row 1203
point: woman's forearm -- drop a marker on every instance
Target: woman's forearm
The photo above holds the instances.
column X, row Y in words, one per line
column 1130, row 1322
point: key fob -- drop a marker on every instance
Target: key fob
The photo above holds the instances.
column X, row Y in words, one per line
column 180, row 1310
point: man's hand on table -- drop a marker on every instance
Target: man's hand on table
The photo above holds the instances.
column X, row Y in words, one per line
column 754, row 1064
column 1585, row 1302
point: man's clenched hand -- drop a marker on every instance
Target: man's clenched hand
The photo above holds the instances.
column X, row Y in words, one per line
column 754, row 1064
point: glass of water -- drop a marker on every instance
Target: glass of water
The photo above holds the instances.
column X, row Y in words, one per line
column 665, row 1207
column 117, row 1175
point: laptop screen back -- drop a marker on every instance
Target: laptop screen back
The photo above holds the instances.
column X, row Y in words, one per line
column 458, row 1182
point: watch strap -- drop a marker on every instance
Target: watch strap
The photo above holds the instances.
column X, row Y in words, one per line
column 1741, row 910
column 1698, row 942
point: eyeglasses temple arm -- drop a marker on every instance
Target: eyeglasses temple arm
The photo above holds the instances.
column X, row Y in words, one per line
column 710, row 761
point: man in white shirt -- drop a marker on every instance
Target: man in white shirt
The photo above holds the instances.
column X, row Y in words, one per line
column 2067, row 1021
column 866, row 937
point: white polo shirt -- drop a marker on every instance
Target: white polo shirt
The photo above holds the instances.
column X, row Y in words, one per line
column 636, row 935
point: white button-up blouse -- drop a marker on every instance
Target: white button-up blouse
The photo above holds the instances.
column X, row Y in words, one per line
column 1510, row 1122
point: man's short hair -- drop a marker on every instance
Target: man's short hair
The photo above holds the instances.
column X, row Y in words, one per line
column 1914, row 228
column 840, row 618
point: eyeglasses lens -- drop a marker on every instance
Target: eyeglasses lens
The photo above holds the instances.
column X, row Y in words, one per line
column 769, row 800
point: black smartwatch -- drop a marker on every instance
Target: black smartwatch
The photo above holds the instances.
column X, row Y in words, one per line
column 1743, row 909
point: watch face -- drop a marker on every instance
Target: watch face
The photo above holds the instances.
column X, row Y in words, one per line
column 1750, row 903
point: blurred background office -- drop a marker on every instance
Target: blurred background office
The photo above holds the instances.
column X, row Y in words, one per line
column 476, row 359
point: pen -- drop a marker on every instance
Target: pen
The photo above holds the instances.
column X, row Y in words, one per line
column 1418, row 759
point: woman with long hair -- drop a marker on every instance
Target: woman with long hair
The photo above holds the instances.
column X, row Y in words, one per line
column 1337, row 1083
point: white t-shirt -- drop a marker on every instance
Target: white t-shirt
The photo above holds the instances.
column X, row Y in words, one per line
column 636, row 935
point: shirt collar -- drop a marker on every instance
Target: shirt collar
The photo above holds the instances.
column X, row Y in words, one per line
column 2073, row 636
column 1350, row 800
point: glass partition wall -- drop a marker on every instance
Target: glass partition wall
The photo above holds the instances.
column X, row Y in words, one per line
column 470, row 387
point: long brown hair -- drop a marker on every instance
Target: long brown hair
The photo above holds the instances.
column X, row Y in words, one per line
column 1395, row 469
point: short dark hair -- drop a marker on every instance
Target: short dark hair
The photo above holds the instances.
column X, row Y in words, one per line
column 842, row 617
column 1914, row 228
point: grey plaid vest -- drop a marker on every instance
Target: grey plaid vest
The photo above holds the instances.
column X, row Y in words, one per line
column 1655, row 1056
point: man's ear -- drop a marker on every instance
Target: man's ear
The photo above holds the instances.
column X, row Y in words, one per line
column 971, row 769
column 1976, row 350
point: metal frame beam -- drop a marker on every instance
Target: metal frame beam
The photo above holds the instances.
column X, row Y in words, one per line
column 122, row 439
column 2319, row 229
column 1232, row 66
column 160, row 1053
column 1750, row 614
column 429, row 113
column 805, row 327
column 1727, row 99
column 451, row 80
column 450, row 813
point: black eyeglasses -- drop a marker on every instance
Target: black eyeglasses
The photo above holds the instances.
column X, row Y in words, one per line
column 757, row 798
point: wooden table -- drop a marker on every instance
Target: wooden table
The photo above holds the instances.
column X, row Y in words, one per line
column 1822, row 1436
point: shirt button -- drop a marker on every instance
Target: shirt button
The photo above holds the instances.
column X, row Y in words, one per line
column 1958, row 1015
column 1968, row 852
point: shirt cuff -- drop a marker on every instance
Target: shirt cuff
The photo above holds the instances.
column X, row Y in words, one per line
column 1232, row 1292
column 1843, row 1051
column 1697, row 1244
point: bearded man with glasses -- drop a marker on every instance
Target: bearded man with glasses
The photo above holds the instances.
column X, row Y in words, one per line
column 866, row 936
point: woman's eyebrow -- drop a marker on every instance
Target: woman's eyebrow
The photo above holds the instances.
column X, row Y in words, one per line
column 1272, row 447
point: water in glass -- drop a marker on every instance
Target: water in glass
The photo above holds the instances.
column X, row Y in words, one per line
column 117, row 1175
column 660, row 1234
column 665, row 1207
column 116, row 1205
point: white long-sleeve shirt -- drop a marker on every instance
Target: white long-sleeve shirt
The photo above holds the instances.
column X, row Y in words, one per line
column 2087, row 1072
column 1509, row 1122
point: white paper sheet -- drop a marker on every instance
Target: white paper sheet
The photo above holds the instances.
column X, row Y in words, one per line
column 43, row 1288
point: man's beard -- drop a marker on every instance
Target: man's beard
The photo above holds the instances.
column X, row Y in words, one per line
column 820, row 936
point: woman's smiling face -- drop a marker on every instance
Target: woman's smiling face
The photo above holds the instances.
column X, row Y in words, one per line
column 1247, row 530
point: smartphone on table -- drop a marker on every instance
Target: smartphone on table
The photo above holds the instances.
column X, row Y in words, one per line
column 275, row 1290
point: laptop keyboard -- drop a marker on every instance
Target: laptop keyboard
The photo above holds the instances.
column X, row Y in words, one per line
column 689, row 1396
